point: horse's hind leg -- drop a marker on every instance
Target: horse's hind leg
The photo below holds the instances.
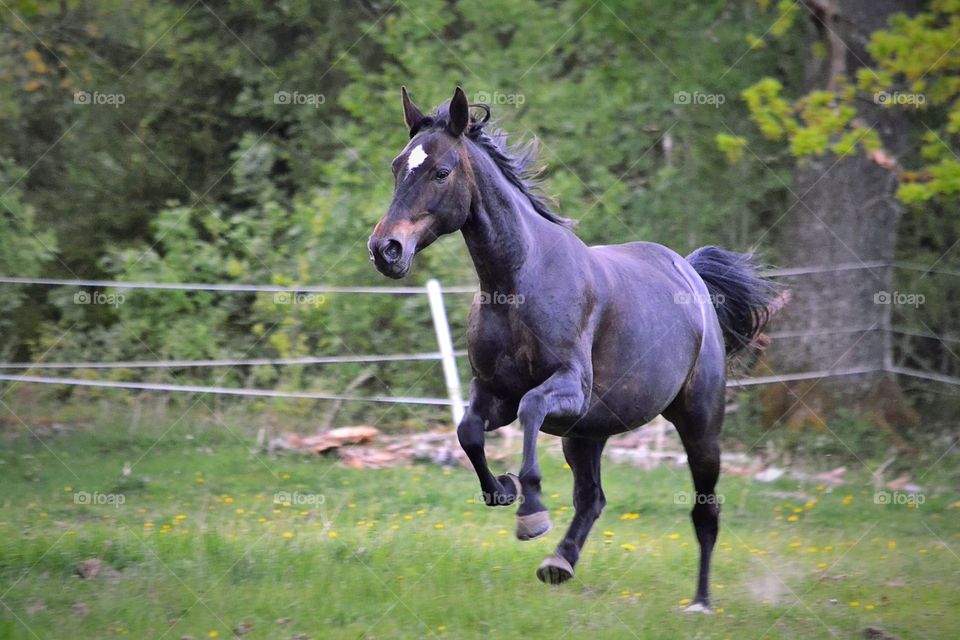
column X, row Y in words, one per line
column 583, row 456
column 697, row 413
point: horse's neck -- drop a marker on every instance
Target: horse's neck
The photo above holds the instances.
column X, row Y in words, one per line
column 504, row 233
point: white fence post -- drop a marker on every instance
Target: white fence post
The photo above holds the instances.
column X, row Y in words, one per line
column 435, row 295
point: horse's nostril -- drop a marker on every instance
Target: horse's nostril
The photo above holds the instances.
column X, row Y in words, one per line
column 391, row 250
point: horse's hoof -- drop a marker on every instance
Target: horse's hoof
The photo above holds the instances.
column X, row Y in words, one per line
column 507, row 481
column 699, row 607
column 534, row 525
column 554, row 570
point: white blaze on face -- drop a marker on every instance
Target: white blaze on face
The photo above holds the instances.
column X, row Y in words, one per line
column 416, row 158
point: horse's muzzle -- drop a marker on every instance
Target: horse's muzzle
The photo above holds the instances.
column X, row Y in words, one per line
column 390, row 256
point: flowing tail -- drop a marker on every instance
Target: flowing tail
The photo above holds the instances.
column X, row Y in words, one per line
column 744, row 300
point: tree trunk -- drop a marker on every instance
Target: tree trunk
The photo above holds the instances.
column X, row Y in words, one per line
column 843, row 213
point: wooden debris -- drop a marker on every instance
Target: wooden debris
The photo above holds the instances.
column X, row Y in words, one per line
column 323, row 442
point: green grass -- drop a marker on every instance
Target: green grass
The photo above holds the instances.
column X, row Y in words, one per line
column 198, row 547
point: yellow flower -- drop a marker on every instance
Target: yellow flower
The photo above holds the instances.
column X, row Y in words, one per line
column 821, row 565
column 331, row 534
column 854, row 603
column 181, row 517
column 442, row 628
column 674, row 536
column 793, row 518
column 502, row 532
column 630, row 516
column 285, row 476
column 240, row 511
column 213, row 634
column 288, row 534
column 439, row 525
column 684, row 602
column 408, row 517
column 627, row 547
column 608, row 534
column 847, row 499
column 892, row 544
column 228, row 499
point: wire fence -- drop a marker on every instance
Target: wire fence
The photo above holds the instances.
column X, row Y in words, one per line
column 446, row 354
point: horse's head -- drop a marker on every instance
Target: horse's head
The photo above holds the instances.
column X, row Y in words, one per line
column 433, row 186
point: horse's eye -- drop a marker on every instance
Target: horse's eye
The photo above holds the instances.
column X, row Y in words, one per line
column 442, row 174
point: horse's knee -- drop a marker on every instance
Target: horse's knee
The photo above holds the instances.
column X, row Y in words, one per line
column 530, row 411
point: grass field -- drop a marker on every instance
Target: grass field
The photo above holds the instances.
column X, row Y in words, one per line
column 199, row 548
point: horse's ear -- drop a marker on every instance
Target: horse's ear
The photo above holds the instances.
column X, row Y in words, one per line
column 411, row 114
column 459, row 113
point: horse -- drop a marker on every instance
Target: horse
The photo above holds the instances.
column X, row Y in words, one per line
column 581, row 342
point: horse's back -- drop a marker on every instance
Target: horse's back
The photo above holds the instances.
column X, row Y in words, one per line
column 654, row 264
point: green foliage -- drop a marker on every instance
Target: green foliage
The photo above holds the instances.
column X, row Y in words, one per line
column 911, row 69
column 24, row 250
column 202, row 174
column 731, row 146
column 817, row 123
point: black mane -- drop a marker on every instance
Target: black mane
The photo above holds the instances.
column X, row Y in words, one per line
column 513, row 160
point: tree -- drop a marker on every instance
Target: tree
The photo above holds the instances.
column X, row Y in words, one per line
column 851, row 134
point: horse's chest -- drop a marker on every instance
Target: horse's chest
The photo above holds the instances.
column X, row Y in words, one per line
column 503, row 350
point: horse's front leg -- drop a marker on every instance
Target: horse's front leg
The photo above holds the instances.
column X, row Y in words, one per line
column 487, row 412
column 562, row 395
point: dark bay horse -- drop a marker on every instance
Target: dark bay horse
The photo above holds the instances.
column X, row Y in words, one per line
column 575, row 341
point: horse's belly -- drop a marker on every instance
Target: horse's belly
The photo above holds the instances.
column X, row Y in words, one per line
column 623, row 402
column 598, row 422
